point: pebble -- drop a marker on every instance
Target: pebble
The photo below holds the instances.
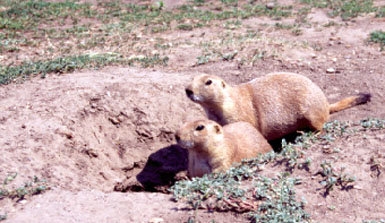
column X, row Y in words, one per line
column 270, row 5
column 330, row 70
column 156, row 220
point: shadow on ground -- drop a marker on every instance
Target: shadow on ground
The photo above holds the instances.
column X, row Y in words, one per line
column 161, row 170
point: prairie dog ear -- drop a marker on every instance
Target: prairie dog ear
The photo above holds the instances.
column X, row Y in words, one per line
column 217, row 129
column 223, row 84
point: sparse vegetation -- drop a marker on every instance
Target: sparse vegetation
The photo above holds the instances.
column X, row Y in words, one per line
column 380, row 12
column 346, row 9
column 59, row 65
column 332, row 178
column 268, row 199
column 374, row 221
column 3, row 217
column 36, row 186
column 378, row 37
column 373, row 123
column 69, row 64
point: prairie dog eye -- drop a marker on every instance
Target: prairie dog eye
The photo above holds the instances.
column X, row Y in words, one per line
column 208, row 82
column 199, row 127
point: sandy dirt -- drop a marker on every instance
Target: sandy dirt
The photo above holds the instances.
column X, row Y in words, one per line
column 95, row 134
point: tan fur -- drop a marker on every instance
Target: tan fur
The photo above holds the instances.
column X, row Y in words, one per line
column 215, row 148
column 276, row 104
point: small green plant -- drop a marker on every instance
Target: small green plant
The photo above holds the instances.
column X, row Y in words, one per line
column 3, row 217
column 380, row 12
column 333, row 179
column 283, row 26
column 230, row 56
column 378, row 37
column 330, row 24
column 290, row 155
column 203, row 59
column 186, row 27
column 36, row 186
column 372, row 123
column 376, row 166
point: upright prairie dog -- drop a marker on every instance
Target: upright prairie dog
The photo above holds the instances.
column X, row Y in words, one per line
column 214, row 148
column 276, row 104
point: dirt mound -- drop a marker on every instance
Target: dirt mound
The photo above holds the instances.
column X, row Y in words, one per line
column 94, row 129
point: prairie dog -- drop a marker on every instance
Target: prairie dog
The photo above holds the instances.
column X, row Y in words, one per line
column 214, row 148
column 276, row 104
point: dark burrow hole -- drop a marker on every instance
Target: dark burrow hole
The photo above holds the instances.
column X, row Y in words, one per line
column 162, row 169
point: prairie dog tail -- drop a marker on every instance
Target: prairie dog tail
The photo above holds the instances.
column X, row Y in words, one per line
column 349, row 102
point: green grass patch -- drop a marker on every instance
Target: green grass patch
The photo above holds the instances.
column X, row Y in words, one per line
column 374, row 221
column 378, row 37
column 71, row 63
column 380, row 13
column 346, row 9
column 58, row 65
column 24, row 15
column 3, row 217
column 186, row 27
column 36, row 186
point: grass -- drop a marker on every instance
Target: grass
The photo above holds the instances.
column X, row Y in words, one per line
column 3, row 217
column 68, row 31
column 34, row 30
column 58, row 65
column 36, row 186
column 378, row 37
column 28, row 189
column 374, row 221
column 346, row 9
column 380, row 13
column 71, row 63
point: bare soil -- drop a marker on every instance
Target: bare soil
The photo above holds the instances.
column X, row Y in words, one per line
column 93, row 133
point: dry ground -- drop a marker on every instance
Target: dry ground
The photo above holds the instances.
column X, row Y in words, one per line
column 92, row 133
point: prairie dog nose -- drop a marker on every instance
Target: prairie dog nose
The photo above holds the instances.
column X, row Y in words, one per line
column 189, row 92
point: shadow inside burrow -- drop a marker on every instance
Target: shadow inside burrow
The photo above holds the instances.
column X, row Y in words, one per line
column 276, row 144
column 162, row 169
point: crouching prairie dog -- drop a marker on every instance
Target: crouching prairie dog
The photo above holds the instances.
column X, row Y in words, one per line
column 214, row 148
column 276, row 104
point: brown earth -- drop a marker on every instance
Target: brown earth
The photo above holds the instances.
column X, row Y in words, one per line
column 91, row 133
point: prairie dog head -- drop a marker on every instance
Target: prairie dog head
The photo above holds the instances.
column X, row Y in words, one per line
column 200, row 136
column 207, row 89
